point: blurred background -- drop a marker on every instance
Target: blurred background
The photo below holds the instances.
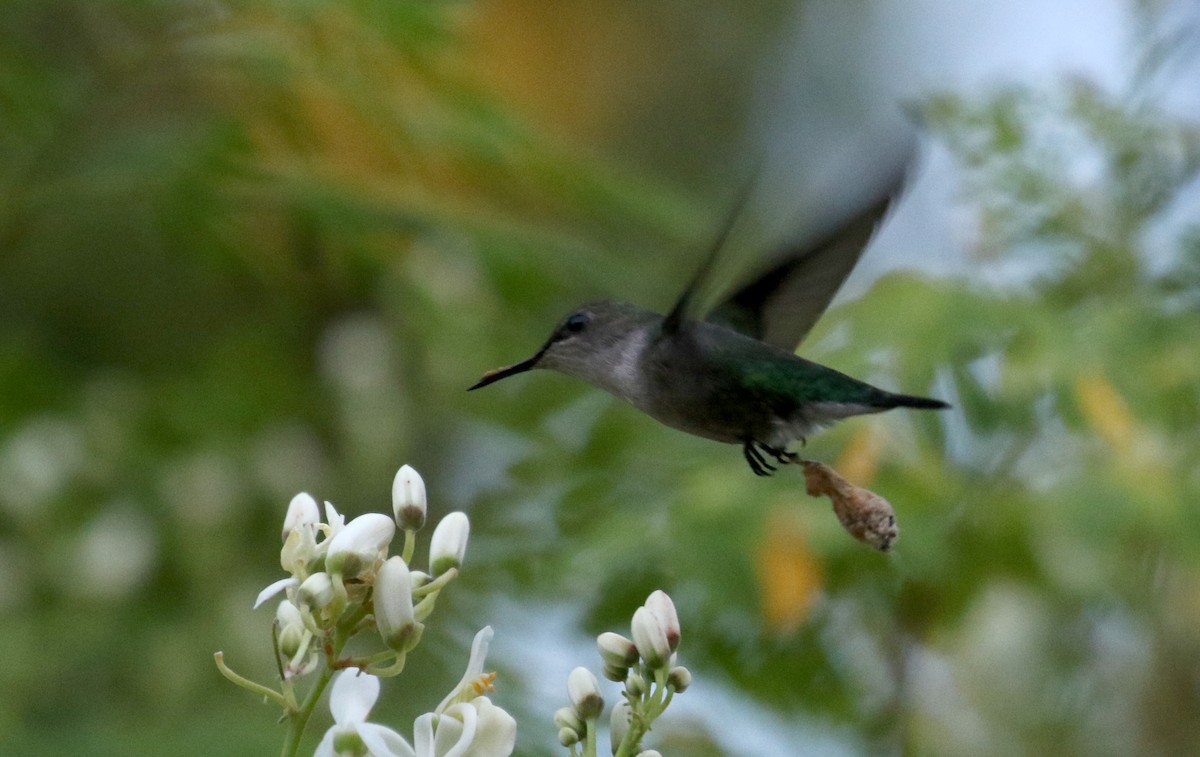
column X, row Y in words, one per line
column 255, row 247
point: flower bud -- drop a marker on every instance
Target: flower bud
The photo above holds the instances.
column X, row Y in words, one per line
column 565, row 717
column 568, row 737
column 302, row 511
column 650, row 753
column 618, row 724
column 408, row 499
column 418, row 578
column 636, row 684
column 661, row 605
column 316, row 593
column 679, row 679
column 615, row 673
column 584, row 692
column 650, row 638
column 449, row 543
column 291, row 628
column 358, row 546
column 394, row 605
column 616, row 650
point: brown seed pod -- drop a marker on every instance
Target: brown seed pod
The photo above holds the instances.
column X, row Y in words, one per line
column 867, row 516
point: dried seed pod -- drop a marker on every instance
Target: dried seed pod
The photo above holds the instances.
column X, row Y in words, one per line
column 867, row 516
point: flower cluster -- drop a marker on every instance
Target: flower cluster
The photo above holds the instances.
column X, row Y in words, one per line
column 341, row 584
column 645, row 665
column 466, row 722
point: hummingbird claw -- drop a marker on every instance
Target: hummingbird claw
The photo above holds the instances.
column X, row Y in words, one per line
column 753, row 451
column 755, row 458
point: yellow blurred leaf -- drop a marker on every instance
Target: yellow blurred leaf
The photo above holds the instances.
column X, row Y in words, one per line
column 789, row 576
column 1105, row 411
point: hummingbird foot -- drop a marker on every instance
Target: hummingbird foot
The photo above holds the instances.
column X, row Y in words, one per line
column 755, row 459
column 754, row 453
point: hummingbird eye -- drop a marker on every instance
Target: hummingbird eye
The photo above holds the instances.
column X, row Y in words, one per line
column 576, row 322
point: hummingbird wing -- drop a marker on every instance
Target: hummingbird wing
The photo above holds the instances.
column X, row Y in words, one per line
column 689, row 305
column 780, row 306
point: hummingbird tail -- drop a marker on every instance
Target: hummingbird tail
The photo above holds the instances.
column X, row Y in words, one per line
column 924, row 403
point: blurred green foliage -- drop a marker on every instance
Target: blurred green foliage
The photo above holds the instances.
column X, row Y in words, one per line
column 259, row 247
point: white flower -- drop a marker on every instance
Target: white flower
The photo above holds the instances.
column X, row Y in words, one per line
column 476, row 728
column 356, row 548
column 650, row 638
column 291, row 631
column 316, row 593
column 394, row 605
column 350, row 700
column 302, row 511
column 449, row 543
column 295, row 641
column 584, row 692
column 473, row 679
column 664, row 609
column 616, row 650
column 408, row 499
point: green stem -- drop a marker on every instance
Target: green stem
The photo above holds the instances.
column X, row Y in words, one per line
column 410, row 545
column 589, row 744
column 246, row 683
column 298, row 718
column 436, row 584
column 395, row 669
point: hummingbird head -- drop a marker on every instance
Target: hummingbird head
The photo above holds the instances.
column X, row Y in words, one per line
column 584, row 344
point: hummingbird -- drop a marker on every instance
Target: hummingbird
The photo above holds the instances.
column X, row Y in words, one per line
column 730, row 375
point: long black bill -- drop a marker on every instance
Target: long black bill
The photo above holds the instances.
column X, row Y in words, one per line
column 492, row 377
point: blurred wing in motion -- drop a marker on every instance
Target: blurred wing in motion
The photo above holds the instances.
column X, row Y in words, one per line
column 781, row 305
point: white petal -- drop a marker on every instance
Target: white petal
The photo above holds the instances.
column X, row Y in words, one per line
column 584, row 692
column 274, row 589
column 408, row 498
column 618, row 724
column 352, row 696
column 316, row 592
column 335, row 519
column 650, row 637
column 325, row 748
column 423, row 735
column 446, row 735
column 383, row 741
column 359, row 544
column 470, row 720
column 302, row 511
column 496, row 733
column 394, row 604
column 479, row 650
column 449, row 543
column 288, row 614
column 664, row 609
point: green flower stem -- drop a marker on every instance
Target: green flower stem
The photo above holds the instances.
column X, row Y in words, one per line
column 395, row 669
column 589, row 744
column 658, row 702
column 644, row 710
column 298, row 718
column 436, row 584
column 246, row 683
column 410, row 545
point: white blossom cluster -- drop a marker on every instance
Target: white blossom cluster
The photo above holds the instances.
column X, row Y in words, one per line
column 645, row 665
column 342, row 584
